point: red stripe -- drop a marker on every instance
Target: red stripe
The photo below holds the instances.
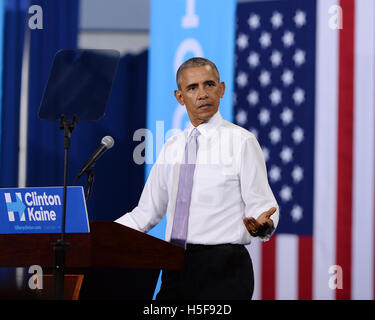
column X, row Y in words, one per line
column 268, row 269
column 305, row 267
column 345, row 147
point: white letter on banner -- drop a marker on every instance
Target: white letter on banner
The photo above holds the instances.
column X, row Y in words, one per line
column 190, row 20
column 188, row 45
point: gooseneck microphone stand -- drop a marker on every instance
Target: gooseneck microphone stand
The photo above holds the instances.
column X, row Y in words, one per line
column 90, row 181
column 59, row 247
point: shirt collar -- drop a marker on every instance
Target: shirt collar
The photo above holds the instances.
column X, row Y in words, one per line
column 206, row 128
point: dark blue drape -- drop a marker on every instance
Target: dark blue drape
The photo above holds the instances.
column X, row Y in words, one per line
column 118, row 179
column 45, row 143
column 14, row 31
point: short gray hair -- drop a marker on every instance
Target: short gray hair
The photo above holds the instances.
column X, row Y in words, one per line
column 195, row 62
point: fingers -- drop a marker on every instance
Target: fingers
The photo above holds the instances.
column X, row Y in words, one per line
column 270, row 212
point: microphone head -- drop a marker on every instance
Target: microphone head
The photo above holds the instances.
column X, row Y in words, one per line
column 108, row 142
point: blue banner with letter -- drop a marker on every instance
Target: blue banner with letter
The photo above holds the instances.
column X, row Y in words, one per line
column 182, row 29
column 39, row 210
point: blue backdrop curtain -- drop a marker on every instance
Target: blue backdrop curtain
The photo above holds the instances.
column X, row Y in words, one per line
column 14, row 31
column 118, row 179
column 45, row 144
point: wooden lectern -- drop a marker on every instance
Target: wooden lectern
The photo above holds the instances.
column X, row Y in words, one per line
column 110, row 262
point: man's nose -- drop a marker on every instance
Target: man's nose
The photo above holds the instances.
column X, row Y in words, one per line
column 202, row 93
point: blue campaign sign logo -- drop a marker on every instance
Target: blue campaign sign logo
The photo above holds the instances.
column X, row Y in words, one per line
column 39, row 210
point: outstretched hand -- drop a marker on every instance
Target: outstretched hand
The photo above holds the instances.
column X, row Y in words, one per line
column 261, row 226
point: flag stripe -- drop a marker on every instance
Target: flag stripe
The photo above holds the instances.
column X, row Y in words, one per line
column 325, row 174
column 286, row 267
column 363, row 175
column 268, row 269
column 305, row 253
column 345, row 147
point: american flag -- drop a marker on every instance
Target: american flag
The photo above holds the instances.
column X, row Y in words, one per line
column 304, row 85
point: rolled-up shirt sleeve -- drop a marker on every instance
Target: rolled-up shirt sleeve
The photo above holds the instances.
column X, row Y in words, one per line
column 255, row 189
column 153, row 202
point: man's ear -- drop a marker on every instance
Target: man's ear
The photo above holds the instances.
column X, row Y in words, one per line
column 178, row 95
column 222, row 88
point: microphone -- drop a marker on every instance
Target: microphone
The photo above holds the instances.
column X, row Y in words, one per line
column 106, row 143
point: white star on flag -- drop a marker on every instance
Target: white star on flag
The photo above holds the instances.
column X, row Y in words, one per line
column 286, row 154
column 297, row 174
column 265, row 40
column 275, row 135
column 253, row 97
column 300, row 18
column 253, row 59
column 298, row 96
column 254, row 21
column 242, row 79
column 285, row 193
column 265, row 78
column 275, row 96
column 297, row 135
column 274, row 174
column 264, row 116
column 299, row 57
column 241, row 117
column 296, row 213
column 288, row 39
column 287, row 77
column 277, row 20
column 276, row 58
column 286, row 116
column 242, row 41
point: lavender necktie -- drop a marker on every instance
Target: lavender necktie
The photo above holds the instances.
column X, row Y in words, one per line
column 185, row 184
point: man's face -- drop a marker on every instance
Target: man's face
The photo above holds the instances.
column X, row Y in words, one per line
column 200, row 91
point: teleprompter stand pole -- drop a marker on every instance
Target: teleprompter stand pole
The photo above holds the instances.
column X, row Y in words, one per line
column 59, row 247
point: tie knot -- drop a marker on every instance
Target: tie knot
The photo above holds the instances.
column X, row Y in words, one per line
column 195, row 132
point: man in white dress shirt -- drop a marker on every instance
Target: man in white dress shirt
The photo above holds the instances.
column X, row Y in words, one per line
column 229, row 198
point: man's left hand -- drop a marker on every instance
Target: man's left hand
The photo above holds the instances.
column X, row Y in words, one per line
column 261, row 226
